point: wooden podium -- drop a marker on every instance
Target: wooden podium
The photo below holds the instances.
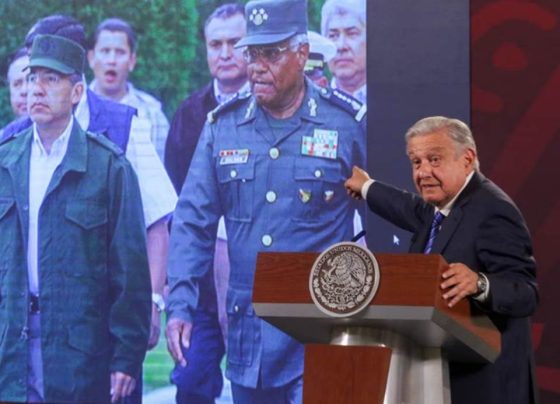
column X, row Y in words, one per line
column 394, row 351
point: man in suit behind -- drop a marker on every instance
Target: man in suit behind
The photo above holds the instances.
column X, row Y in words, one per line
column 477, row 228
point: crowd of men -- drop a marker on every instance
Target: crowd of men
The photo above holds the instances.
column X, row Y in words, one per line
column 111, row 215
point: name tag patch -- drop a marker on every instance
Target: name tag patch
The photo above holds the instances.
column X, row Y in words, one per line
column 236, row 156
column 323, row 143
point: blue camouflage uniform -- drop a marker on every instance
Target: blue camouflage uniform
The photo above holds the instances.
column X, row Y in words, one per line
column 279, row 190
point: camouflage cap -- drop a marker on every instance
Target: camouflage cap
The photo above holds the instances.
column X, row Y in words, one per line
column 57, row 53
column 272, row 21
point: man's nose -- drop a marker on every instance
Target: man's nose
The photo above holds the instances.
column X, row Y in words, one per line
column 259, row 65
column 341, row 42
column 36, row 88
column 23, row 89
column 111, row 57
column 226, row 51
column 424, row 170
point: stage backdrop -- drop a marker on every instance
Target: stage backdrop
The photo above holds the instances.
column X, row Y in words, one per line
column 507, row 85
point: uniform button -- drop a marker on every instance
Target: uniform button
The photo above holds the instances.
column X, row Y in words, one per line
column 274, row 153
column 267, row 240
column 26, row 207
column 271, row 196
column 233, row 173
column 236, row 308
column 318, row 173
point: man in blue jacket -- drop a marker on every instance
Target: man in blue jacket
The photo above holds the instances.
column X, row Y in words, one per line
column 273, row 163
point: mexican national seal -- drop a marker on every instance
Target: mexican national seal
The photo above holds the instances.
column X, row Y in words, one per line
column 344, row 279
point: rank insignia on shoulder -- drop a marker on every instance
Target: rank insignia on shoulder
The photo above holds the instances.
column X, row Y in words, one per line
column 234, row 156
column 227, row 105
column 346, row 102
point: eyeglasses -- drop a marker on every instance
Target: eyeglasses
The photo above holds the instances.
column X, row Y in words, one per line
column 270, row 54
column 48, row 79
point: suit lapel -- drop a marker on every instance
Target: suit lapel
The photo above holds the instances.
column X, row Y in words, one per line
column 451, row 223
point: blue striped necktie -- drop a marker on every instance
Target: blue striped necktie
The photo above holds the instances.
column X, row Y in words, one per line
column 434, row 230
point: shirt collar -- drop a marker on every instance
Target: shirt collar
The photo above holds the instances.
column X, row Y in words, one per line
column 82, row 109
column 447, row 208
column 222, row 97
column 59, row 146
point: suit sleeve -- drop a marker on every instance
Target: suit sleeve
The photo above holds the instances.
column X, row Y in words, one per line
column 129, row 281
column 402, row 208
column 505, row 252
column 184, row 133
column 193, row 232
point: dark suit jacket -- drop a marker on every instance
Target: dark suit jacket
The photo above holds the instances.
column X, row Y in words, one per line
column 184, row 133
column 486, row 232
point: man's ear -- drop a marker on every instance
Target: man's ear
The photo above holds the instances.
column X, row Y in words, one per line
column 303, row 54
column 77, row 92
column 132, row 63
column 91, row 58
column 469, row 157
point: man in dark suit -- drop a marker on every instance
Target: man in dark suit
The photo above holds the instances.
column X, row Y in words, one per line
column 465, row 217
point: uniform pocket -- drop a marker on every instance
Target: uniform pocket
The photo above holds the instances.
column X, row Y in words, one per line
column 88, row 338
column 242, row 326
column 86, row 213
column 85, row 234
column 318, row 185
column 237, row 182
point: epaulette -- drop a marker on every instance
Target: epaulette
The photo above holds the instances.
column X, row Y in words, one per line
column 345, row 102
column 106, row 143
column 227, row 105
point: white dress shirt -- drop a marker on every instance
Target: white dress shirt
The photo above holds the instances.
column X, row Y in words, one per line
column 42, row 165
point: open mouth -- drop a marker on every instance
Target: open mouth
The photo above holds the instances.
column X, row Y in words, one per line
column 110, row 76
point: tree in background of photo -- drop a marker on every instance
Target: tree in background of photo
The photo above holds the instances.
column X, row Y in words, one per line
column 171, row 52
column 167, row 38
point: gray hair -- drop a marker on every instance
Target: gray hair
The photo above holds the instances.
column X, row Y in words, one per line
column 457, row 131
column 356, row 8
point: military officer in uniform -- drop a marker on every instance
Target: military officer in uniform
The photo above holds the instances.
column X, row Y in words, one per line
column 272, row 162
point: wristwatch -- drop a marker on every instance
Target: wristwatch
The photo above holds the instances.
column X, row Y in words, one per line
column 481, row 285
column 157, row 299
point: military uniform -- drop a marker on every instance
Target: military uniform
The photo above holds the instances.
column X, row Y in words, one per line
column 280, row 188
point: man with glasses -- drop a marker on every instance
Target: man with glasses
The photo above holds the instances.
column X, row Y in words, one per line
column 273, row 164
column 74, row 278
